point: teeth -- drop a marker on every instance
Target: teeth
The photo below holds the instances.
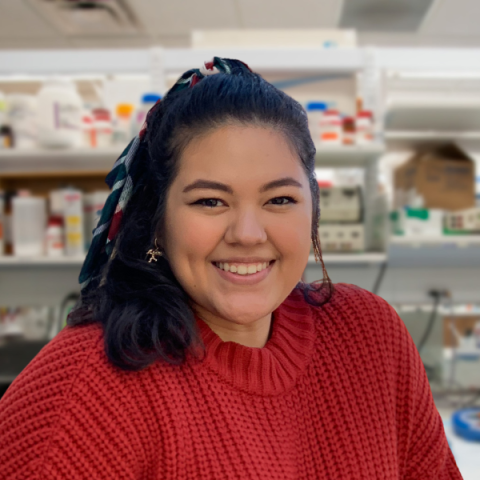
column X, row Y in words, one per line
column 243, row 269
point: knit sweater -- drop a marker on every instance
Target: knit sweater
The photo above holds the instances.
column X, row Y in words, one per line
column 337, row 392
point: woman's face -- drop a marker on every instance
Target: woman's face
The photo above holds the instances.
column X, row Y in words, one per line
column 242, row 198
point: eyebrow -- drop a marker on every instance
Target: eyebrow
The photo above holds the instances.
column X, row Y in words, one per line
column 208, row 184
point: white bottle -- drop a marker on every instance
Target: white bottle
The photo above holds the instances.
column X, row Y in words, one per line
column 73, row 222
column 2, row 221
column 364, row 127
column 54, row 238
column 59, row 114
column 140, row 115
column 28, row 225
column 22, row 117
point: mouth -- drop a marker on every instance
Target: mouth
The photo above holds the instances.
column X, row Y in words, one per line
column 243, row 269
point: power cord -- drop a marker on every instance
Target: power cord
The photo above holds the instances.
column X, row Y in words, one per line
column 436, row 295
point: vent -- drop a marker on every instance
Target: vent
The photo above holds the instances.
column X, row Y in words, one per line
column 94, row 17
column 384, row 15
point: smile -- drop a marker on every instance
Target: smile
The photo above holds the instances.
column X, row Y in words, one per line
column 243, row 268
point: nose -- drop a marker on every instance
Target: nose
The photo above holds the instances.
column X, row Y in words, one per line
column 246, row 228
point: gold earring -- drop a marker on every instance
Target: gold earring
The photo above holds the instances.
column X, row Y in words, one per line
column 154, row 253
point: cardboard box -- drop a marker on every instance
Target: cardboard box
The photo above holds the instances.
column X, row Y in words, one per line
column 441, row 177
column 340, row 204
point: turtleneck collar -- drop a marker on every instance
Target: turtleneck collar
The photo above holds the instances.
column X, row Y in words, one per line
column 275, row 368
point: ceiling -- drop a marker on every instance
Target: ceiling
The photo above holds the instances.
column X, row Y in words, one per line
column 25, row 24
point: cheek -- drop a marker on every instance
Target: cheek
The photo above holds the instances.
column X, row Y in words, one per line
column 192, row 235
column 293, row 234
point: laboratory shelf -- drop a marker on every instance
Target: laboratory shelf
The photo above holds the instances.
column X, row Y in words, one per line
column 11, row 261
column 460, row 251
column 347, row 155
column 350, row 258
column 16, row 162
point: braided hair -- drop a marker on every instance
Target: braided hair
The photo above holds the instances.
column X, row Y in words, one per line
column 144, row 311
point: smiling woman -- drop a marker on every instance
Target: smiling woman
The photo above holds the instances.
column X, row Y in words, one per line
column 195, row 350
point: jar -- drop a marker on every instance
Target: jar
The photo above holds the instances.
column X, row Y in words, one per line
column 315, row 113
column 59, row 114
column 349, row 131
column 364, row 124
column 331, row 130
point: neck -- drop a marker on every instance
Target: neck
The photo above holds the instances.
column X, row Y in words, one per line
column 252, row 334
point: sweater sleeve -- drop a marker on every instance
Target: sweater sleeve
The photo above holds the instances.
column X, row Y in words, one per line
column 423, row 449
column 58, row 421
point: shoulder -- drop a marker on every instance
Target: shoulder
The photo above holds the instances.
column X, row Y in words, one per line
column 355, row 314
column 58, row 365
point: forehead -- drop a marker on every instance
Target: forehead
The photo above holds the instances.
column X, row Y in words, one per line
column 236, row 153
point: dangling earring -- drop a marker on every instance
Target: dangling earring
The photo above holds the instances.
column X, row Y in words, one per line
column 154, row 253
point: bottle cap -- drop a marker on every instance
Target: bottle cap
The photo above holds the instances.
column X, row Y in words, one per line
column 315, row 106
column 365, row 114
column 124, row 109
column 151, row 98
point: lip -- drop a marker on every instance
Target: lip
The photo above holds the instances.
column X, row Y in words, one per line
column 251, row 279
column 244, row 260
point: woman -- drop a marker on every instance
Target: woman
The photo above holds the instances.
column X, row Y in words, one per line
column 196, row 352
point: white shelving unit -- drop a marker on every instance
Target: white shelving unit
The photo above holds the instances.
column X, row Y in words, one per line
column 350, row 258
column 65, row 160
column 365, row 157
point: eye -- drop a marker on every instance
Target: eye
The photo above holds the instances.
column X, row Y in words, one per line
column 282, row 200
column 209, row 202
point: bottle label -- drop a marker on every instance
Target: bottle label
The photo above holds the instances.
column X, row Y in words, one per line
column 66, row 116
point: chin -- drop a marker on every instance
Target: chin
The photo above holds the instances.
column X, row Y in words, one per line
column 243, row 313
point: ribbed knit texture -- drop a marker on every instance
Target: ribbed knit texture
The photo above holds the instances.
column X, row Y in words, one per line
column 338, row 392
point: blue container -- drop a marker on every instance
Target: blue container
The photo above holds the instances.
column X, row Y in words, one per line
column 466, row 423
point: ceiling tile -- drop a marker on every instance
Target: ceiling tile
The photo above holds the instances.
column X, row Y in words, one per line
column 453, row 17
column 18, row 20
column 289, row 13
column 179, row 17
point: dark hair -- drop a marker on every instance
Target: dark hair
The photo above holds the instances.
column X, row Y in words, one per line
column 144, row 311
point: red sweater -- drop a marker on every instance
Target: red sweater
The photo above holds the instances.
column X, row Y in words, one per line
column 338, row 392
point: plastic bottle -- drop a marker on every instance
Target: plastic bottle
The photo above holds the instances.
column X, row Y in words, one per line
column 73, row 221
column 147, row 102
column 2, row 209
column 315, row 112
column 349, row 131
column 28, row 224
column 102, row 126
column 364, row 127
column 59, row 114
column 122, row 130
column 22, row 117
column 88, row 132
column 331, row 130
column 54, row 237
